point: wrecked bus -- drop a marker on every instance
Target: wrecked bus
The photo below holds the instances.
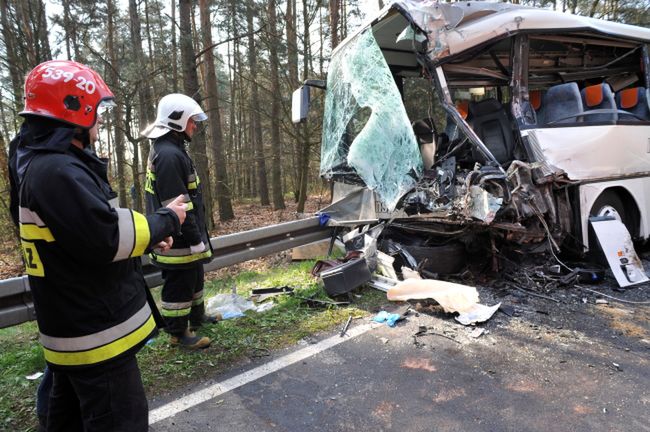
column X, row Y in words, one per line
column 452, row 119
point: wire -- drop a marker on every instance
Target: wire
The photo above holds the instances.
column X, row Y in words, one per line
column 558, row 259
column 612, row 297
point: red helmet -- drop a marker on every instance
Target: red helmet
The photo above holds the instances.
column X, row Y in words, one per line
column 67, row 91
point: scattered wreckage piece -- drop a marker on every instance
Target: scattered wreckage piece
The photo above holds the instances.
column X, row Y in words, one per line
column 345, row 327
column 428, row 331
column 382, row 283
column 258, row 295
column 451, row 296
column 345, row 277
column 316, row 303
column 616, row 243
column 477, row 313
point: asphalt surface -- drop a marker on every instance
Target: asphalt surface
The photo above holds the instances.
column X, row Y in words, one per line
column 543, row 365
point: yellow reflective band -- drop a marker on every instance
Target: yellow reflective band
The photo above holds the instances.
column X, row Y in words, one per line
column 33, row 263
column 148, row 185
column 197, row 301
column 190, row 206
column 192, row 185
column 181, row 259
column 102, row 353
column 142, row 234
column 35, row 232
column 174, row 313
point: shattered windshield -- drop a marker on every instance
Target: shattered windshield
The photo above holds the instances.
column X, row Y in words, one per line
column 366, row 129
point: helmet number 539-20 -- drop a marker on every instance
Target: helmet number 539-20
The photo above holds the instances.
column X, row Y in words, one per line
column 82, row 83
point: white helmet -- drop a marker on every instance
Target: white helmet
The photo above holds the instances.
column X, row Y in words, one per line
column 174, row 110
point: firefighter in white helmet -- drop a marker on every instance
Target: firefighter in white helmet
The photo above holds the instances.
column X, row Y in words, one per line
column 171, row 172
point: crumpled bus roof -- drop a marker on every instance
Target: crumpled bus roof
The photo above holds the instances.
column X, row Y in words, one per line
column 453, row 28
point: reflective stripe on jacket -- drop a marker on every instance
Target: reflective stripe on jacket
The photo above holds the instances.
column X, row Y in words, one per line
column 89, row 292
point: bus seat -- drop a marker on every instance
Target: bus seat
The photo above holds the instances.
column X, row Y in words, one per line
column 463, row 108
column 492, row 125
column 633, row 100
column 451, row 130
column 599, row 96
column 562, row 103
column 535, row 98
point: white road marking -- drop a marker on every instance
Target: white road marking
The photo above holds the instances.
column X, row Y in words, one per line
column 173, row 408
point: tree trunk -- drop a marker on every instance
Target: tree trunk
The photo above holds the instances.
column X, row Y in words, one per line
column 238, row 176
column 303, row 131
column 222, row 188
column 44, row 44
column 65, row 4
column 174, row 49
column 191, row 88
column 29, row 43
column 135, row 193
column 145, row 111
column 334, row 22
column 276, row 170
column 256, row 123
column 117, row 111
column 12, row 56
column 292, row 66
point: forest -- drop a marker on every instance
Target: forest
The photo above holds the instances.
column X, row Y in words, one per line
column 240, row 59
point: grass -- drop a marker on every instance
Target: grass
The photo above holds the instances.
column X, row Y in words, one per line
column 21, row 356
column 166, row 368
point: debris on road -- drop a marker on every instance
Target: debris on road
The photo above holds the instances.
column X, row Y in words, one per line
column 34, row 376
column 428, row 331
column 345, row 277
column 385, row 317
column 477, row 313
column 616, row 244
column 229, row 306
column 315, row 303
column 345, row 327
column 258, row 295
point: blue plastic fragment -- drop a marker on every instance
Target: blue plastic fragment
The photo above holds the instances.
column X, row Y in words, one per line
column 389, row 318
column 323, row 218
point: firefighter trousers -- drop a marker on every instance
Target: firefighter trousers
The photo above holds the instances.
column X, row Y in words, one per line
column 182, row 299
column 99, row 399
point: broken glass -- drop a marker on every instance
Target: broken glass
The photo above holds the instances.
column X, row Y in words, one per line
column 366, row 129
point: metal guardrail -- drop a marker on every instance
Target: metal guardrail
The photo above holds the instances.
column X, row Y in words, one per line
column 16, row 305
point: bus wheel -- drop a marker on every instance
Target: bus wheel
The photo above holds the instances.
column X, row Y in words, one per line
column 609, row 203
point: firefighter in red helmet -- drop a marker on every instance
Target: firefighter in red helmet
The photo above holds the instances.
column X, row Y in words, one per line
column 81, row 254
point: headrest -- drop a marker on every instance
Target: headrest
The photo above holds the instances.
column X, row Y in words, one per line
column 629, row 98
column 463, row 108
column 535, row 97
column 594, row 95
column 485, row 107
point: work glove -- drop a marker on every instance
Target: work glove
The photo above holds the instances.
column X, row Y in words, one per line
column 197, row 248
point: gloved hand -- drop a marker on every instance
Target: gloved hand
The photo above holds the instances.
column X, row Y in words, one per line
column 197, row 248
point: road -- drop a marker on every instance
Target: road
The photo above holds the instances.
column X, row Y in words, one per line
column 571, row 365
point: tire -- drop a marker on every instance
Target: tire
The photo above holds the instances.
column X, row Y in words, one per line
column 609, row 203
column 445, row 259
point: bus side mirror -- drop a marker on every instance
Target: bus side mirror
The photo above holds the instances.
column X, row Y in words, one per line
column 300, row 104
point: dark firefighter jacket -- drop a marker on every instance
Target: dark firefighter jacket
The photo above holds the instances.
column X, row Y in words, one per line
column 171, row 173
column 79, row 249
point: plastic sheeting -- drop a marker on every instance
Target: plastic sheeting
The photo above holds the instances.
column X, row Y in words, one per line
column 366, row 127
